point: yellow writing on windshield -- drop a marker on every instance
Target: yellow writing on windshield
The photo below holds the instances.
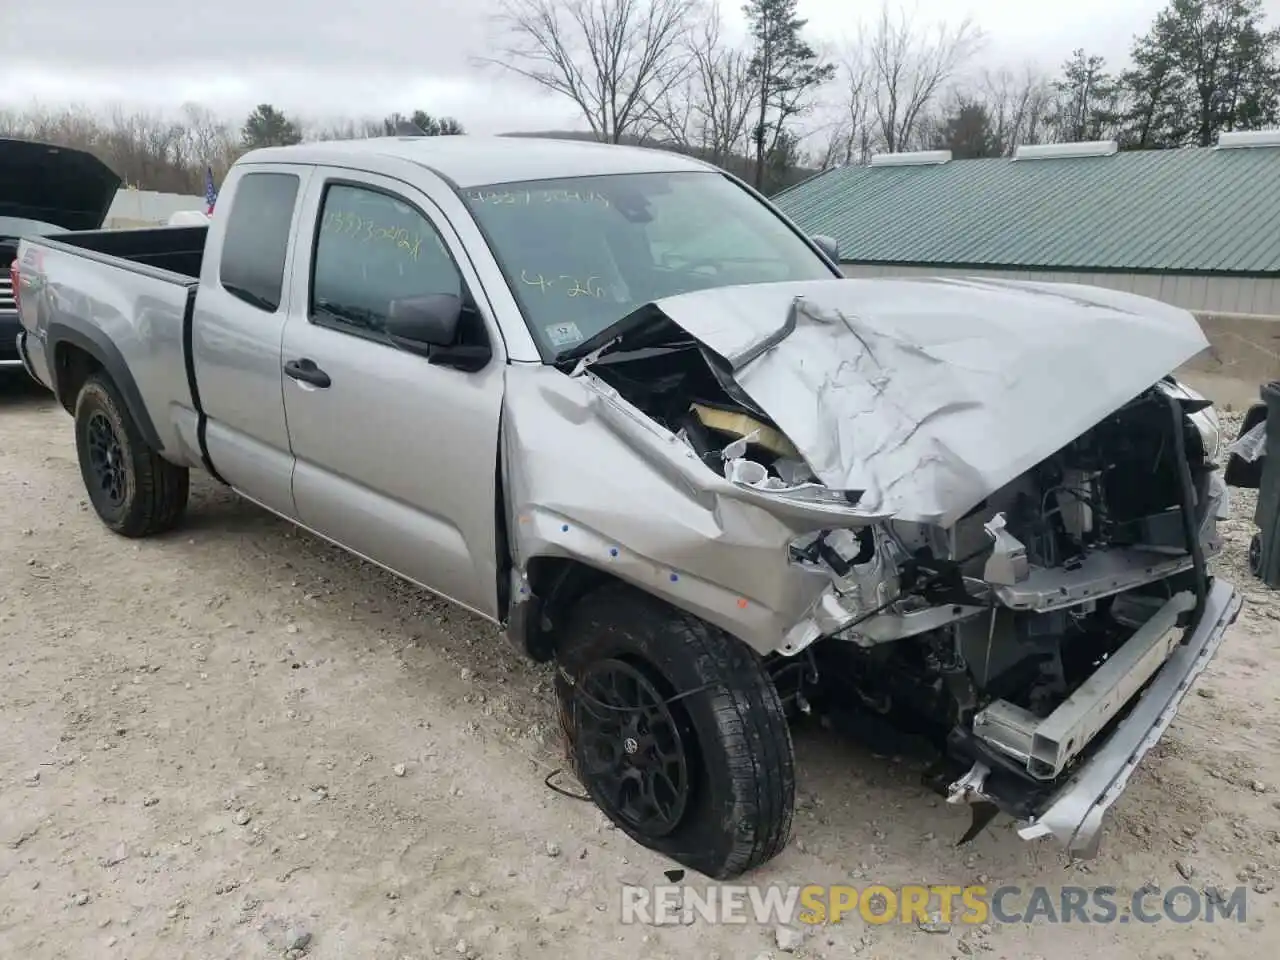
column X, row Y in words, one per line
column 368, row 230
column 572, row 286
column 526, row 198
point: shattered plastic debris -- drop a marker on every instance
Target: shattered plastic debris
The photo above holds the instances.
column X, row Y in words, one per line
column 1252, row 445
column 738, row 449
column 752, row 474
column 793, row 472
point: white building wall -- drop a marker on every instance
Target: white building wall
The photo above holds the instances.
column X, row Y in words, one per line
column 143, row 208
column 1199, row 293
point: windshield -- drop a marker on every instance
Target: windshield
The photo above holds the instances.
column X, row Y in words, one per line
column 580, row 254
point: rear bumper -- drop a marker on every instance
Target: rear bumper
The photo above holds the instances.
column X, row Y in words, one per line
column 25, row 360
column 1073, row 814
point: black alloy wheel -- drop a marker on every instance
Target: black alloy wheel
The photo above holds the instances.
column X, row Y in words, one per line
column 675, row 730
column 134, row 490
column 106, row 460
column 632, row 747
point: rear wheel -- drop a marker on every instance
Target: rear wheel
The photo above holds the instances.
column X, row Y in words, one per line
column 676, row 732
column 134, row 490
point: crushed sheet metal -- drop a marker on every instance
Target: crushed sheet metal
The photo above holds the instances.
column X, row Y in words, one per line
column 929, row 395
column 592, row 478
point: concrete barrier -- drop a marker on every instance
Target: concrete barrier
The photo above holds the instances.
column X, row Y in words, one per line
column 1243, row 354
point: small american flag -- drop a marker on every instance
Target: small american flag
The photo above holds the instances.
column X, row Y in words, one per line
column 210, row 192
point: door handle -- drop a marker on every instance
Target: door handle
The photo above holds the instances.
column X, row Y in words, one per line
column 306, row 371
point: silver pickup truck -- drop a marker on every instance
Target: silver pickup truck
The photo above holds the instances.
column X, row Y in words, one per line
column 614, row 401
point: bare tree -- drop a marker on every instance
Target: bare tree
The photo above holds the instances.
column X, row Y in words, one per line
column 852, row 135
column 610, row 57
column 207, row 140
column 709, row 112
column 346, row 128
column 910, row 68
column 1018, row 105
column 147, row 151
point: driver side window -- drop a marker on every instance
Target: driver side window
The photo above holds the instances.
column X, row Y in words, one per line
column 372, row 249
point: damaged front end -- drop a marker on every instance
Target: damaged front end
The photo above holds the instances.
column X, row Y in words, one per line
column 975, row 515
column 1079, row 612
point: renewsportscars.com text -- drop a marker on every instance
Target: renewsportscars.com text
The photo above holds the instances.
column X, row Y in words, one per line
column 882, row 904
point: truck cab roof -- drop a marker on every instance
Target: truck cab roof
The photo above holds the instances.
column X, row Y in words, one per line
column 471, row 161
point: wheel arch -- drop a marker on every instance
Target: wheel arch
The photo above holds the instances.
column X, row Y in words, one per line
column 554, row 585
column 77, row 352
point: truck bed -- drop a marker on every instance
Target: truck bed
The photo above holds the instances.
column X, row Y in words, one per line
column 175, row 250
column 126, row 297
column 169, row 254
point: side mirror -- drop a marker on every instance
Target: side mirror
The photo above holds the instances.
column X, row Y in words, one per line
column 430, row 321
column 430, row 326
column 828, row 245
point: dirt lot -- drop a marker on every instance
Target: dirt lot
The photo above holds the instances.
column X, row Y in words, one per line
column 220, row 742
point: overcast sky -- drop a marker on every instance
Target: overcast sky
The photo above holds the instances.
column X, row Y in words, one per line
column 322, row 58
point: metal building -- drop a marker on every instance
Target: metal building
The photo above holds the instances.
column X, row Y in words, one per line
column 1196, row 227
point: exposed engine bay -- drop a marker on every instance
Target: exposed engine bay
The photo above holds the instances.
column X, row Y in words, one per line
column 1008, row 642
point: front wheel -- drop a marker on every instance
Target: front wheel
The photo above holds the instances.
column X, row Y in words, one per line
column 676, row 732
column 134, row 490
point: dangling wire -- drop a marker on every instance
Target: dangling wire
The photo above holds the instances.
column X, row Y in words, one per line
column 561, row 790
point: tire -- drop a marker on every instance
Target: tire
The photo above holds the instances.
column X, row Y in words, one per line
column 145, row 494
column 740, row 766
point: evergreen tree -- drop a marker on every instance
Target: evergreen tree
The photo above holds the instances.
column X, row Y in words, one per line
column 268, row 127
column 1205, row 66
column 787, row 72
column 1087, row 100
column 968, row 132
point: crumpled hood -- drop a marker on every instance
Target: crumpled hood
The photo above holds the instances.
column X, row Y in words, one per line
column 929, row 395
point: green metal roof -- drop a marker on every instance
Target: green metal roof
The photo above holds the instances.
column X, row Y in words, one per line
column 1190, row 210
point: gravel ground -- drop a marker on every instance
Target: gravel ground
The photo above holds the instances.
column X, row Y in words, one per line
column 236, row 741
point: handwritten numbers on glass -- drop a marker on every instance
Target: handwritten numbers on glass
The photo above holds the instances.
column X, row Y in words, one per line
column 578, row 290
column 572, row 286
column 539, row 281
column 526, row 198
column 368, row 230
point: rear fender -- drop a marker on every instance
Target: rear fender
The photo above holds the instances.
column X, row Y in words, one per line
column 65, row 332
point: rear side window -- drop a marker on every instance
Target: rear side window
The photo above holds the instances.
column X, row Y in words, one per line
column 257, row 238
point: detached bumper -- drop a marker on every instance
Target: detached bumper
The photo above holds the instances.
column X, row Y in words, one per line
column 1073, row 815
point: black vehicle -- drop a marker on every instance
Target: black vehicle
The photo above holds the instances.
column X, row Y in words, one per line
column 44, row 190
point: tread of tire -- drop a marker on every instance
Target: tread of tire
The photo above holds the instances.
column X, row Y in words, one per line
column 747, row 704
column 162, row 487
